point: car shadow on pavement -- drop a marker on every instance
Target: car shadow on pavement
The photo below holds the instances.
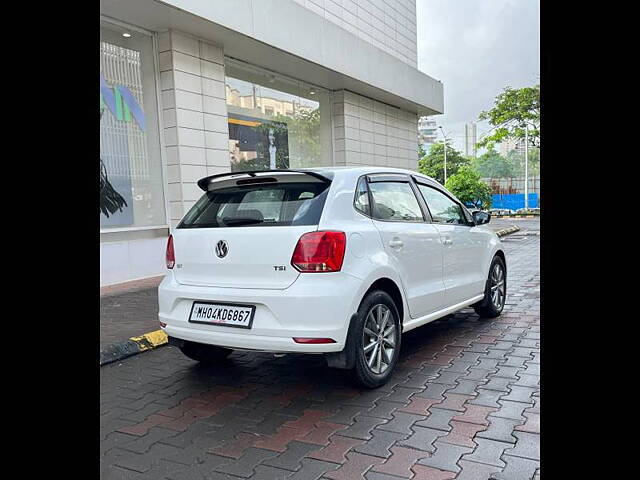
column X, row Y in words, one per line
column 249, row 367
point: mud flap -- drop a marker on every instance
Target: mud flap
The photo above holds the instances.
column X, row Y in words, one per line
column 346, row 359
column 484, row 301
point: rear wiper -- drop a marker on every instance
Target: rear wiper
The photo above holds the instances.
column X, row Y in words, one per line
column 233, row 221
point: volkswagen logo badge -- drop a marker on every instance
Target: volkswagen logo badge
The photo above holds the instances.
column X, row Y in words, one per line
column 222, row 248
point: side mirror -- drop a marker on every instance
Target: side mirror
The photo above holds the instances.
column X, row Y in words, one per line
column 481, row 217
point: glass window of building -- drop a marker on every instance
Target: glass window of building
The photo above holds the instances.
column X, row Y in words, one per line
column 131, row 188
column 275, row 122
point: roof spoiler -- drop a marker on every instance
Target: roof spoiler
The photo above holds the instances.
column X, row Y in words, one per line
column 203, row 183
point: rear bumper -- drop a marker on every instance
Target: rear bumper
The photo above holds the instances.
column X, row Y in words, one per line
column 315, row 305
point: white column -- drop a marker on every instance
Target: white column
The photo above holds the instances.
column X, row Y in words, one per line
column 194, row 116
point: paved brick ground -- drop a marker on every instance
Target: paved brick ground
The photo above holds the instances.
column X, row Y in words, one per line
column 464, row 403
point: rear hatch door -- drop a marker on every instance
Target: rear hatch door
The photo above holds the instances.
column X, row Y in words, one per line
column 256, row 257
column 243, row 231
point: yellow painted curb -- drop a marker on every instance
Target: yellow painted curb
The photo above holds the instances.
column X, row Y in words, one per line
column 150, row 340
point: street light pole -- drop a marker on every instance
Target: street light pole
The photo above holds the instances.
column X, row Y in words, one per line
column 526, row 166
column 445, row 154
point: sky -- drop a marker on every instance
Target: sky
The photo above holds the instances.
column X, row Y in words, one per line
column 476, row 48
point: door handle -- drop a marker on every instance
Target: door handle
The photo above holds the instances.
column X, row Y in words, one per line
column 447, row 241
column 396, row 243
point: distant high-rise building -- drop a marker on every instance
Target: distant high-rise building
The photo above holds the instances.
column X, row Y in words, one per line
column 470, row 139
column 427, row 132
column 510, row 144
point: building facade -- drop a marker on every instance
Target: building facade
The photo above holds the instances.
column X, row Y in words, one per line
column 510, row 144
column 190, row 88
column 427, row 133
column 470, row 139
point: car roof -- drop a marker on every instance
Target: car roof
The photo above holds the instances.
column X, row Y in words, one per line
column 365, row 170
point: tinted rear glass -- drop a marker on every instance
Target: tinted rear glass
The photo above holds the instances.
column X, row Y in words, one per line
column 277, row 204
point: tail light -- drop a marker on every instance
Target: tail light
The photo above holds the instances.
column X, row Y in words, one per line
column 319, row 252
column 171, row 256
column 313, row 341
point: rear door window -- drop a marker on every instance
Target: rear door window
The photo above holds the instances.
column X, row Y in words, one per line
column 278, row 204
column 395, row 201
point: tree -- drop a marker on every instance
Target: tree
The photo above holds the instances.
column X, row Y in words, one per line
column 432, row 164
column 421, row 151
column 467, row 186
column 516, row 158
column 534, row 161
column 493, row 165
column 514, row 108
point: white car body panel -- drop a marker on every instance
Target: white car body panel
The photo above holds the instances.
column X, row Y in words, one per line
column 464, row 252
column 417, row 322
column 245, row 266
column 313, row 306
column 416, row 251
column 434, row 279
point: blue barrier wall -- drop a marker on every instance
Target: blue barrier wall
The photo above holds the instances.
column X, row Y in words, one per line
column 513, row 201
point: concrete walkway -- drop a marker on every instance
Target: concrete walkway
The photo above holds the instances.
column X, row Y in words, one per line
column 128, row 310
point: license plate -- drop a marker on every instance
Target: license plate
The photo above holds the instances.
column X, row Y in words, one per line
column 229, row 315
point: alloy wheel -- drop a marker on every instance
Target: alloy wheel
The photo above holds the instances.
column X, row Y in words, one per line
column 379, row 338
column 497, row 286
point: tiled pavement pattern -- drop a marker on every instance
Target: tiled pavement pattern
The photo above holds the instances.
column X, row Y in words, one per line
column 464, row 403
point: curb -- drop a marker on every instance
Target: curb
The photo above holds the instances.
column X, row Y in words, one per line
column 507, row 231
column 133, row 346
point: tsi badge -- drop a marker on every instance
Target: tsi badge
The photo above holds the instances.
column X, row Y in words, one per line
column 222, row 248
column 279, row 268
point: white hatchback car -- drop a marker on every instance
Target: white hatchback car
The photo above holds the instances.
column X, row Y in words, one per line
column 336, row 261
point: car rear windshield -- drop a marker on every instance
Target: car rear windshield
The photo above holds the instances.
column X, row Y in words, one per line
column 275, row 204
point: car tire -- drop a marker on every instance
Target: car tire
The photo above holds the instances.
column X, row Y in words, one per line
column 495, row 290
column 377, row 314
column 204, row 353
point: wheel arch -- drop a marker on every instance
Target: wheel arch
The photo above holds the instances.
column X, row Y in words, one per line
column 345, row 359
column 483, row 304
column 391, row 287
column 500, row 253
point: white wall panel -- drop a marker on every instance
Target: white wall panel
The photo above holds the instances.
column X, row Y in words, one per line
column 131, row 260
column 368, row 132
